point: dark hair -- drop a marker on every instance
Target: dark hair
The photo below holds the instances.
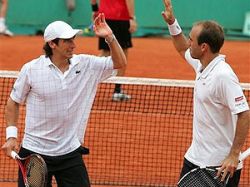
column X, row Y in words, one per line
column 212, row 34
column 47, row 49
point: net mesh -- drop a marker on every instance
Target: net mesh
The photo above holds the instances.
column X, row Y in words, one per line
column 140, row 142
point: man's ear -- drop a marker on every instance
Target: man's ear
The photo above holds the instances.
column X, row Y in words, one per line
column 204, row 47
column 52, row 44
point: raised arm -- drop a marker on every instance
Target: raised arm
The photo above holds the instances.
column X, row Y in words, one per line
column 102, row 29
column 11, row 116
column 179, row 40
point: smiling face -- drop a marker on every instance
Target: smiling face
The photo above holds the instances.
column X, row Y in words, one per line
column 64, row 48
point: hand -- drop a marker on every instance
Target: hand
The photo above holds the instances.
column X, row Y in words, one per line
column 168, row 14
column 100, row 26
column 10, row 145
column 133, row 25
column 229, row 165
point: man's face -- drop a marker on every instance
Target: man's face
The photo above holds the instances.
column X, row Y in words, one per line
column 65, row 48
column 195, row 49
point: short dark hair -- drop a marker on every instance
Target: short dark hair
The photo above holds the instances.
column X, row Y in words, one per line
column 212, row 34
column 47, row 49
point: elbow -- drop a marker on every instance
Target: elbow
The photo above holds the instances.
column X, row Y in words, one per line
column 245, row 118
column 124, row 63
column 11, row 106
column 121, row 64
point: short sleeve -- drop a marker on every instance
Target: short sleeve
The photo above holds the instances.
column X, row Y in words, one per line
column 21, row 86
column 101, row 66
column 231, row 93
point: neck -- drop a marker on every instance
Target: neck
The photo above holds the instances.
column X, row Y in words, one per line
column 61, row 64
column 207, row 59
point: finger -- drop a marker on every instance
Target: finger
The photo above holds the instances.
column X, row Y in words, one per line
column 165, row 3
column 131, row 30
column 232, row 170
column 232, row 173
column 164, row 15
column 16, row 148
column 102, row 18
column 95, row 20
column 220, row 171
column 224, row 174
column 98, row 19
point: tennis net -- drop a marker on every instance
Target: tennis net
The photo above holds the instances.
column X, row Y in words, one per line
column 140, row 142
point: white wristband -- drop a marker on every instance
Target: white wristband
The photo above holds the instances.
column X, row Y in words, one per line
column 175, row 28
column 11, row 132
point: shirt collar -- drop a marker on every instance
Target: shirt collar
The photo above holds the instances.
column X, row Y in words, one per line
column 48, row 62
column 211, row 65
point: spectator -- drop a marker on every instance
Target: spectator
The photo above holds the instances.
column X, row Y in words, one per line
column 3, row 11
column 120, row 16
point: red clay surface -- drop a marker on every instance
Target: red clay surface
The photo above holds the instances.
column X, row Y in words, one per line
column 150, row 57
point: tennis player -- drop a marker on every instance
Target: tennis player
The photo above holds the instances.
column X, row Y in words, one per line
column 58, row 89
column 221, row 112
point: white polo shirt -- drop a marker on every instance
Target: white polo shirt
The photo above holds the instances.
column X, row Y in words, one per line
column 218, row 98
column 58, row 104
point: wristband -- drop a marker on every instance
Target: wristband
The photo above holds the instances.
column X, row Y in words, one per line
column 132, row 18
column 175, row 28
column 11, row 132
column 94, row 7
column 110, row 39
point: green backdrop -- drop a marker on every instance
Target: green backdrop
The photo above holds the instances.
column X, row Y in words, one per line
column 31, row 16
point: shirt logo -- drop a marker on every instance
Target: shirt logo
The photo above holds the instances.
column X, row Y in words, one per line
column 237, row 99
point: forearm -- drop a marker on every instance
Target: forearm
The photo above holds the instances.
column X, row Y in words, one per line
column 3, row 8
column 131, row 8
column 116, row 52
column 11, row 112
column 181, row 44
column 241, row 132
column 179, row 40
column 11, row 116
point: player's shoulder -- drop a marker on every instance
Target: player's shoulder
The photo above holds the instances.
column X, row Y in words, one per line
column 223, row 70
column 36, row 63
column 81, row 57
column 84, row 58
column 224, row 74
column 37, row 60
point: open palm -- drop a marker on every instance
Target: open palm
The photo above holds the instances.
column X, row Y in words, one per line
column 101, row 28
column 168, row 13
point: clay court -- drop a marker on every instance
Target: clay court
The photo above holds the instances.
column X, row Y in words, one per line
column 153, row 57
column 150, row 57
